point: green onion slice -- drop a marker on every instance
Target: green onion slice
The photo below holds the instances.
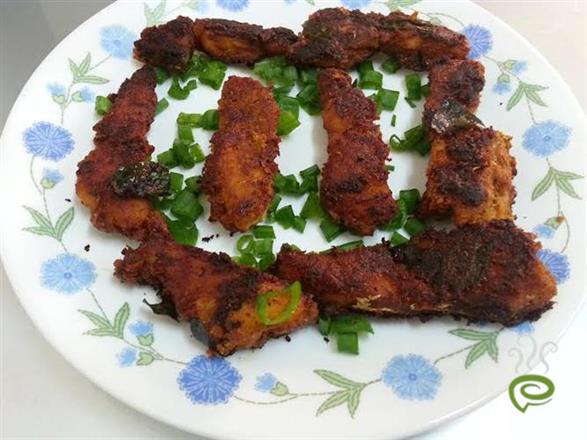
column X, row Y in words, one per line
column 263, row 231
column 102, row 105
column 161, row 105
column 294, row 291
column 245, row 244
column 347, row 343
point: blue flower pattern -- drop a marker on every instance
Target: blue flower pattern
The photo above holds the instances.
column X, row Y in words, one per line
column 265, row 383
column 501, row 88
column 141, row 328
column 412, row 377
column 544, row 231
column 56, row 89
column 355, row 4
column 546, row 138
column 556, row 263
column 117, row 41
column 209, row 381
column 50, row 178
column 233, row 5
column 48, row 141
column 519, row 67
column 127, row 357
column 524, row 328
column 67, row 274
column 480, row 40
column 87, row 95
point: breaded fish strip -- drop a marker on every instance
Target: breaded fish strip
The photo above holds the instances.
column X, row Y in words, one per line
column 470, row 171
column 480, row 272
column 240, row 43
column 121, row 140
column 353, row 189
column 238, row 174
column 169, row 45
column 217, row 296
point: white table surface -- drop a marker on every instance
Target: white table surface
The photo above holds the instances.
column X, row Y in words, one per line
column 42, row 396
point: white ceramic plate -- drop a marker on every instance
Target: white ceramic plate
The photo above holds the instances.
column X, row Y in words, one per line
column 409, row 377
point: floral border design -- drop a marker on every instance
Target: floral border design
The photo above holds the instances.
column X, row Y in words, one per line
column 214, row 381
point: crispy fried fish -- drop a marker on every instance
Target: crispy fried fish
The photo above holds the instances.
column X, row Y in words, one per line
column 470, row 172
column 354, row 187
column 238, row 174
column 218, row 296
column 240, row 43
column 480, row 272
column 121, row 140
column 169, row 45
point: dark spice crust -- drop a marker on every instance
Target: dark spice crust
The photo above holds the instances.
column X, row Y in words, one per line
column 210, row 288
column 479, row 272
column 169, row 45
column 121, row 140
column 353, row 189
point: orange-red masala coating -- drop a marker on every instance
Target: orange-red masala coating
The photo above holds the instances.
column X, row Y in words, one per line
column 217, row 296
column 121, row 140
column 238, row 174
column 470, row 171
column 480, row 272
column 353, row 189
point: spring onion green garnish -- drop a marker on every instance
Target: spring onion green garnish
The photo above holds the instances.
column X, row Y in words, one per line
column 212, row 73
column 161, row 75
column 312, row 208
column 390, row 65
column 299, row 224
column 309, row 179
column 346, row 328
column 308, row 76
column 265, row 261
column 287, row 103
column 329, row 229
column 176, row 91
column 385, row 99
column 413, row 226
column 161, row 105
column 276, row 71
column 288, row 122
column 397, row 239
column 263, row 231
column 181, row 151
column 350, row 245
column 184, row 132
column 270, row 217
column 414, row 87
column 425, row 90
column 389, row 168
column 167, row 158
column 411, row 198
column 286, row 184
column 263, row 247
column 245, row 244
column 285, row 217
column 246, row 260
column 309, row 99
column 175, row 182
column 186, row 206
column 414, row 140
column 393, row 118
column 209, row 120
column 293, row 291
column 193, row 184
column 189, row 119
column 102, row 105
column 369, row 78
column 183, row 231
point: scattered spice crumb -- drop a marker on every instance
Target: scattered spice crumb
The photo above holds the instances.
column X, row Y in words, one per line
column 231, row 234
column 287, row 338
column 87, row 248
column 208, row 238
column 326, row 339
column 68, row 200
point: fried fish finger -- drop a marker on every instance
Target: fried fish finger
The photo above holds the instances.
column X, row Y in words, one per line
column 480, row 272
column 470, row 172
column 121, row 140
column 238, row 174
column 217, row 296
column 353, row 189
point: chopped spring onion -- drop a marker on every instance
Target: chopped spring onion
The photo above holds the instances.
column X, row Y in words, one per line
column 189, row 119
column 246, row 260
column 294, row 291
column 390, row 65
column 389, row 168
column 285, row 217
column 312, row 207
column 175, row 182
column 265, row 261
column 176, row 91
column 183, row 231
column 425, row 90
column 161, row 105
column 209, row 120
column 350, row 245
column 387, row 98
column 411, row 197
column 287, row 103
column 397, row 239
column 369, row 78
column 324, row 325
column 309, row 99
column 184, row 132
column 262, row 247
column 351, row 324
column 263, row 231
column 197, row 153
column 346, row 328
column 398, row 220
column 161, row 75
column 286, row 184
column 414, row 140
column 167, row 158
column 186, row 205
column 308, row 76
column 329, row 229
column 181, row 151
column 102, row 105
column 212, row 73
column 414, row 226
column 299, row 224
column 193, row 184
column 347, row 343
column 273, row 207
column 309, row 179
column 276, row 71
column 245, row 244
column 414, row 86
column 288, row 122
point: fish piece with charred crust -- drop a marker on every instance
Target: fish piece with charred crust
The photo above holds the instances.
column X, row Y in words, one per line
column 121, row 140
column 169, row 45
column 353, row 189
column 238, row 174
column 479, row 272
column 219, row 295
column 470, row 171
